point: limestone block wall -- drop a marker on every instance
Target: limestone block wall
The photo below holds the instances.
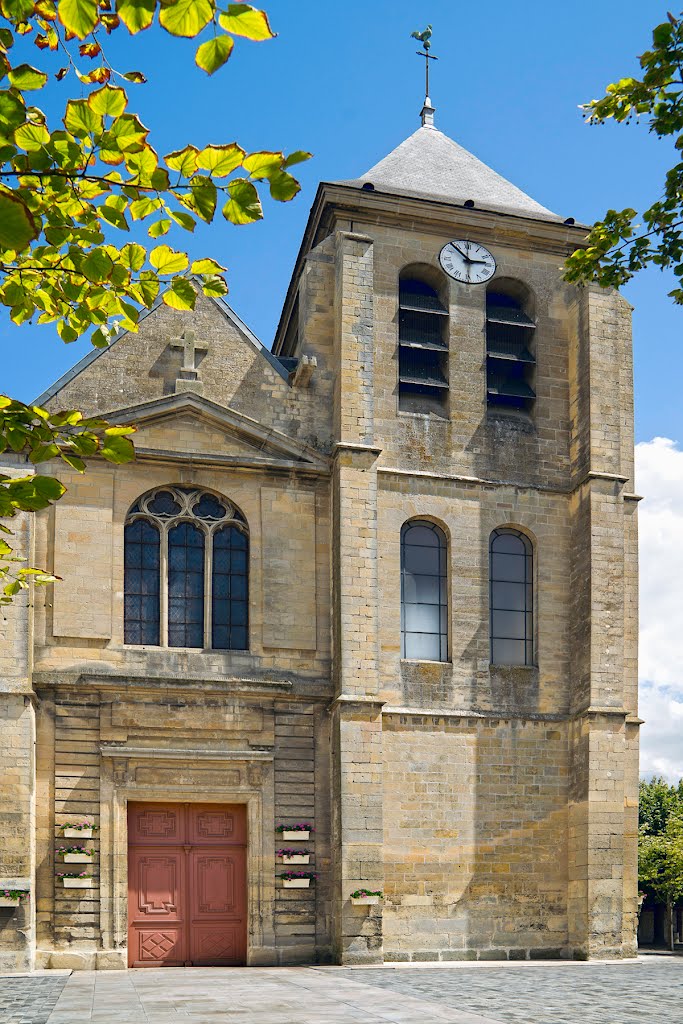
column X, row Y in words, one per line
column 17, row 766
column 475, row 838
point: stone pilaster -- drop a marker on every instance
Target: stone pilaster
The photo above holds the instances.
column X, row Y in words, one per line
column 356, row 712
column 602, row 835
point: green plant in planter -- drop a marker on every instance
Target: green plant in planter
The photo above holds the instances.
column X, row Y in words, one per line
column 299, row 874
column 15, row 894
column 360, row 894
column 302, row 826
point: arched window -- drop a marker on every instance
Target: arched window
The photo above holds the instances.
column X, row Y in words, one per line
column 186, row 576
column 509, row 343
column 424, row 585
column 512, row 598
column 422, row 346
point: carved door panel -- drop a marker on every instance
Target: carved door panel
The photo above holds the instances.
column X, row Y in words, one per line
column 187, row 893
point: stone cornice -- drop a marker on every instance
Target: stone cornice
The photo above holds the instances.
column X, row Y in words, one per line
column 117, row 750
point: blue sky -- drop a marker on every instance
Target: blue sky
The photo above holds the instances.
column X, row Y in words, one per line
column 343, row 81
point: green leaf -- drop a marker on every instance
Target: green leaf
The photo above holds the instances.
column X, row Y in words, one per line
column 73, row 460
column 108, row 100
column 31, row 137
column 183, row 160
column 133, row 256
column 214, row 286
column 17, row 225
column 263, row 165
column 97, row 266
column 135, row 76
column 186, row 17
column 81, row 120
column 48, row 487
column 203, row 197
column 66, row 332
column 167, row 261
column 206, row 266
column 180, row 295
column 126, row 134
column 283, row 186
column 297, row 157
column 141, row 208
column 214, row 53
column 136, row 15
column 44, row 452
column 78, row 16
column 220, row 160
column 117, row 449
column 244, row 20
column 184, row 219
column 244, row 205
column 12, row 111
column 159, row 227
column 26, row 78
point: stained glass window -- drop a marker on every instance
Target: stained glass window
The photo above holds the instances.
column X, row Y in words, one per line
column 511, row 582
column 186, row 571
column 424, row 585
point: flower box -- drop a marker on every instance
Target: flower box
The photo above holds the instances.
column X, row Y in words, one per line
column 297, row 858
column 77, row 858
column 365, row 901
column 294, row 834
column 77, row 883
column 8, row 901
column 296, row 883
column 77, row 833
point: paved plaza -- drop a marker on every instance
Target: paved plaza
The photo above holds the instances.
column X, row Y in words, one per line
column 516, row 993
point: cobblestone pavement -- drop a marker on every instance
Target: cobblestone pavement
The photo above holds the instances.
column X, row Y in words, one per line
column 650, row 990
column 571, row 993
column 25, row 1000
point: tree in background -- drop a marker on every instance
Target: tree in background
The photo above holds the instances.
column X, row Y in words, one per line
column 68, row 197
column 617, row 246
column 660, row 845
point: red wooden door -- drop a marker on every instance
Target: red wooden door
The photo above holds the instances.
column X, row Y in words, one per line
column 187, row 885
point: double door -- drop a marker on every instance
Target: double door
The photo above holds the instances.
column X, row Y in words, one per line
column 187, row 885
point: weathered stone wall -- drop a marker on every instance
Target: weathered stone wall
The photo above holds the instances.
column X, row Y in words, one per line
column 475, row 847
column 17, row 765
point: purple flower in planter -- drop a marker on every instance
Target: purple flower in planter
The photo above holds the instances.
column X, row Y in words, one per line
column 299, row 874
column 301, row 826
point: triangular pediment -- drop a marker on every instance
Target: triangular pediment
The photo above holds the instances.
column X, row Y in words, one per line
column 189, row 426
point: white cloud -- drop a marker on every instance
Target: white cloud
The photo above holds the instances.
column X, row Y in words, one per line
column 659, row 476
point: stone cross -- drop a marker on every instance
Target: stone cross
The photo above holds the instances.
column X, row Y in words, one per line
column 188, row 378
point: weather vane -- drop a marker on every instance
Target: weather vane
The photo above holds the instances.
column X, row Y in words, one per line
column 424, row 38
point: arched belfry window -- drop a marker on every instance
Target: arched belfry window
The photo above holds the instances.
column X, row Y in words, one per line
column 510, row 361
column 186, row 571
column 422, row 347
column 511, row 598
column 424, row 592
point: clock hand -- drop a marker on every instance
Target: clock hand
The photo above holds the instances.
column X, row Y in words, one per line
column 458, row 249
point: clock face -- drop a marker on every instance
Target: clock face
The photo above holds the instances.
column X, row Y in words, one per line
column 468, row 262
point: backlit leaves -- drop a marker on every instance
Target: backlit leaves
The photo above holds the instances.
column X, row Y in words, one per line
column 66, row 191
column 243, row 20
column 619, row 246
column 213, row 54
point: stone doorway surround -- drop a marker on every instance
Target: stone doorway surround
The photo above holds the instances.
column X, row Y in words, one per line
column 179, row 775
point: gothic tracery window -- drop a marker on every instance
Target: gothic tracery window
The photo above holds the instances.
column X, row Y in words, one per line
column 186, row 571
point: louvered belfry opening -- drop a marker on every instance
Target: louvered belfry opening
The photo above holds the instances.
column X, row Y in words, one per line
column 422, row 348
column 510, row 363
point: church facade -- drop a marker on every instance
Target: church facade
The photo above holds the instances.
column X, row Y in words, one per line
column 380, row 582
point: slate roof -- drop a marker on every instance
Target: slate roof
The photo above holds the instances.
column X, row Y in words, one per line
column 430, row 165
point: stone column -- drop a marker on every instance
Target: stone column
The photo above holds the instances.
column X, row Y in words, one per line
column 356, row 710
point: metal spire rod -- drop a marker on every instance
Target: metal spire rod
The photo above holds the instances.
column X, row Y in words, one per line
column 424, row 38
